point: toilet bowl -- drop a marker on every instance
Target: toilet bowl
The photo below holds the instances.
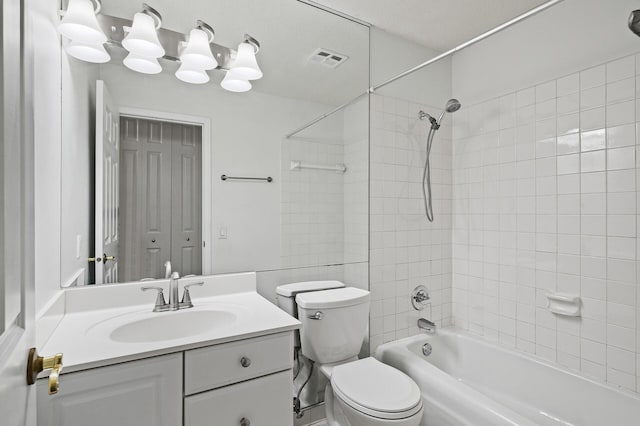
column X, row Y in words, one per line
column 361, row 392
column 367, row 392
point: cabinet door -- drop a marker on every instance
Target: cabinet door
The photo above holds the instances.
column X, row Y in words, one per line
column 139, row 393
column 262, row 402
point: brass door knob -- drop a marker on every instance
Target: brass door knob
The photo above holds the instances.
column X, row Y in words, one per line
column 37, row 363
column 245, row 362
column 107, row 258
column 95, row 259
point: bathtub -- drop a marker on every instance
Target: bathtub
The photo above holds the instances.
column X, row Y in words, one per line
column 467, row 381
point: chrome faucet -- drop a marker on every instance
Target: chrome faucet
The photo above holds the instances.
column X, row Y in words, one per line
column 173, row 292
column 426, row 325
column 175, row 303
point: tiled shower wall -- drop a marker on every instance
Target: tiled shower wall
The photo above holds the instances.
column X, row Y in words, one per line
column 405, row 249
column 545, row 200
column 312, row 203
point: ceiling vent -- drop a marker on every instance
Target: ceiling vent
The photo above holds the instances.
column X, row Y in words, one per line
column 327, row 58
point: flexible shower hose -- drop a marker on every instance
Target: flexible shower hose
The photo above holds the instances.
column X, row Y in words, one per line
column 426, row 178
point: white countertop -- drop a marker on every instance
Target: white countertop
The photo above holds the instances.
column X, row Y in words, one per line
column 78, row 336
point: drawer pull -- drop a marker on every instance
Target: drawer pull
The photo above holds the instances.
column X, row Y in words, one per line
column 245, row 422
column 245, row 362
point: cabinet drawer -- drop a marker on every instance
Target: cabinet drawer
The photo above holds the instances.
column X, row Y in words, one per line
column 262, row 402
column 220, row 365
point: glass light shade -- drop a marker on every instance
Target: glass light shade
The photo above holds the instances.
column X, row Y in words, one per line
column 142, row 64
column 234, row 82
column 198, row 54
column 142, row 40
column 192, row 75
column 245, row 64
column 80, row 24
column 95, row 53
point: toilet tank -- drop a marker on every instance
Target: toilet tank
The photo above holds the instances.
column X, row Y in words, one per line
column 286, row 293
column 334, row 323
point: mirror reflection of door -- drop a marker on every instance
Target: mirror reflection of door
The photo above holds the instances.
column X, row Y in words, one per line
column 160, row 202
column 106, row 256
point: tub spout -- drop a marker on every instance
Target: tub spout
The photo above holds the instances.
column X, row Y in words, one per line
column 426, row 325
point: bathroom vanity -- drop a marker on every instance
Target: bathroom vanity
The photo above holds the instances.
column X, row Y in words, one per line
column 227, row 361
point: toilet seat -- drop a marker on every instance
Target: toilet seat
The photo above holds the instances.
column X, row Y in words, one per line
column 376, row 389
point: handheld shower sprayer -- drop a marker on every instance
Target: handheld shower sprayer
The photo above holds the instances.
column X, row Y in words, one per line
column 451, row 106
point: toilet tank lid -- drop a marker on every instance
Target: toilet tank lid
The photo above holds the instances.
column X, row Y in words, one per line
column 290, row 290
column 335, row 298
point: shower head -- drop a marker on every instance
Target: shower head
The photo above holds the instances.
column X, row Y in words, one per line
column 452, row 105
column 634, row 22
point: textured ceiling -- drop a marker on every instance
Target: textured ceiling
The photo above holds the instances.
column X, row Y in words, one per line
column 438, row 24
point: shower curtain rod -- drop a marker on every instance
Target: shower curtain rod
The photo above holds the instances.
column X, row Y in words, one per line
column 446, row 54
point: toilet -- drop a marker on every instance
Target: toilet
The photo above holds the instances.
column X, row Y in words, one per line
column 359, row 392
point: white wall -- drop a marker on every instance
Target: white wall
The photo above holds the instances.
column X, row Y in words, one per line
column 392, row 55
column 47, row 134
column 77, row 156
column 545, row 170
column 572, row 35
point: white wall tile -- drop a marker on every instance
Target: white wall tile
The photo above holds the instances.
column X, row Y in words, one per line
column 552, row 206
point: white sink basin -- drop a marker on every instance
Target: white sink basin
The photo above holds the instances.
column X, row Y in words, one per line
column 171, row 325
column 151, row 327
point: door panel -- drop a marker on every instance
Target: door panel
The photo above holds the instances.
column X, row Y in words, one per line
column 186, row 210
column 129, row 176
column 17, row 216
column 161, row 219
column 155, row 192
column 107, row 187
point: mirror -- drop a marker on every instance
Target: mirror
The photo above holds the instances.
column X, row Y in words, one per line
column 143, row 155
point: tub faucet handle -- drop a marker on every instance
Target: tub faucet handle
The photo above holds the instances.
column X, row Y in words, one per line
column 420, row 297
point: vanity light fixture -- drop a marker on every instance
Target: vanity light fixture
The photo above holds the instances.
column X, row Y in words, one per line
column 79, row 22
column 234, row 82
column 85, row 35
column 197, row 52
column 245, row 64
column 192, row 75
column 142, row 38
column 95, row 53
column 142, row 64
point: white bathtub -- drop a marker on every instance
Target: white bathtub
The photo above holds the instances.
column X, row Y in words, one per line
column 466, row 381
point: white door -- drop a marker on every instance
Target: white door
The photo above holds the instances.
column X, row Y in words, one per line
column 17, row 318
column 106, row 194
column 186, row 199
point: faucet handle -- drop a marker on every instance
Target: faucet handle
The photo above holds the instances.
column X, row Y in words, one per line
column 186, row 297
column 160, row 298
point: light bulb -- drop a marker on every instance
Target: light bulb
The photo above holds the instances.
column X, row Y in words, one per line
column 80, row 24
column 245, row 64
column 234, row 82
column 142, row 64
column 95, row 53
column 198, row 54
column 142, row 40
column 192, row 75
